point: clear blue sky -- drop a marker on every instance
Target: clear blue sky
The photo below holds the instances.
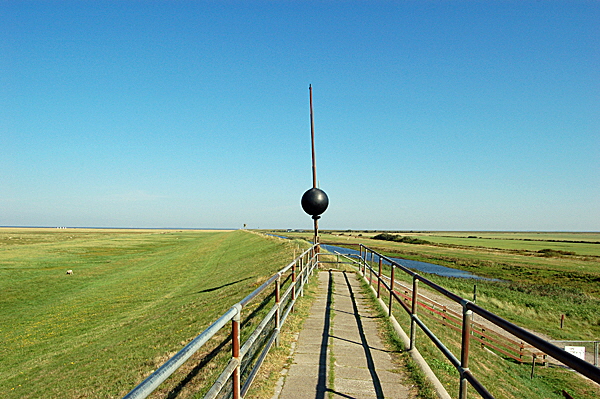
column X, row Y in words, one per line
column 429, row 115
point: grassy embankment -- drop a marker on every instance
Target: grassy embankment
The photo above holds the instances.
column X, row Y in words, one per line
column 135, row 299
column 541, row 283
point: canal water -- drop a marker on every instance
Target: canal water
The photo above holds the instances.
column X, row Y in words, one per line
column 414, row 265
column 423, row 267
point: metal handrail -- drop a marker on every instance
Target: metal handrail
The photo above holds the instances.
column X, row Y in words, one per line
column 306, row 262
column 453, row 317
column 570, row 360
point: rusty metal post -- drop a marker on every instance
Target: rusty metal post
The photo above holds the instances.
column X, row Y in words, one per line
column 379, row 279
column 533, row 366
column 391, row 291
column 312, row 140
column 235, row 352
column 464, row 353
column 316, row 237
column 314, row 166
column 413, row 323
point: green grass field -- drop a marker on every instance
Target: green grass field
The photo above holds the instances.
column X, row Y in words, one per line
column 135, row 298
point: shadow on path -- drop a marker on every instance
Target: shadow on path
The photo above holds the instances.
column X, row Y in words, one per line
column 322, row 380
column 365, row 344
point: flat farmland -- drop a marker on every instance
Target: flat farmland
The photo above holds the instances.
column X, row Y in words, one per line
column 583, row 244
column 134, row 299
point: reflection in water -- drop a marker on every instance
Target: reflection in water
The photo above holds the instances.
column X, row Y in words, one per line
column 414, row 265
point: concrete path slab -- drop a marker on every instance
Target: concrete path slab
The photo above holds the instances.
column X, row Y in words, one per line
column 342, row 329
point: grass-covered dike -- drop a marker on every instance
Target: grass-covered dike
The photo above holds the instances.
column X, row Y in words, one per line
column 134, row 299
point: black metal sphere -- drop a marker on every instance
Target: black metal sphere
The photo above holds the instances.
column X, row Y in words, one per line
column 315, row 202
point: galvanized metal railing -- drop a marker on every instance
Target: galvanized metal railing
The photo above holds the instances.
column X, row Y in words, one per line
column 292, row 278
column 468, row 309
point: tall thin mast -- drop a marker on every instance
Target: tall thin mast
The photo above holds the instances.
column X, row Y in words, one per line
column 312, row 139
column 314, row 201
column 314, row 164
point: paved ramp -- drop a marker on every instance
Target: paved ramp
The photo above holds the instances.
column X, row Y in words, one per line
column 342, row 328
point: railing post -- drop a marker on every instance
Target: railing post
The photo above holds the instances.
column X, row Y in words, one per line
column 371, row 271
column 278, row 310
column 464, row 352
column 391, row 291
column 235, row 351
column 379, row 279
column 294, row 285
column 361, row 263
column 413, row 323
column 300, row 273
column 364, row 262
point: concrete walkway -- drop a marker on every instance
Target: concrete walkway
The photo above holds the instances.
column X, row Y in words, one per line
column 340, row 327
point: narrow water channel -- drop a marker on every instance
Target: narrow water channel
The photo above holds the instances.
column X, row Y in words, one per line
column 413, row 264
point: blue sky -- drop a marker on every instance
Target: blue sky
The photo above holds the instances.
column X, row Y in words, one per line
column 429, row 115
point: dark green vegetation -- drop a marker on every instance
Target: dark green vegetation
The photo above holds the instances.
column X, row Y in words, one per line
column 135, row 298
column 399, row 238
